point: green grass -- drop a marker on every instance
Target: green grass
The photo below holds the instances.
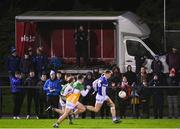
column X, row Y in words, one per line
column 91, row 123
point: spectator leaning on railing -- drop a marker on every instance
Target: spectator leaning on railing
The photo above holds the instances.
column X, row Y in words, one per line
column 42, row 95
column 145, row 99
column 172, row 94
column 17, row 92
column 32, row 94
column 52, row 88
column 157, row 95
column 124, row 101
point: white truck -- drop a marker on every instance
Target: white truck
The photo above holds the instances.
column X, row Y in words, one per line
column 113, row 37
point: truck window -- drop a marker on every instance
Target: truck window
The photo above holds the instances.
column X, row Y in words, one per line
column 135, row 48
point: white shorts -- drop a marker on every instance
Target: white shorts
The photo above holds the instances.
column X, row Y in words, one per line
column 100, row 99
column 62, row 102
column 71, row 105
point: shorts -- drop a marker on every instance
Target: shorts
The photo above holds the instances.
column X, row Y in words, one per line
column 62, row 102
column 71, row 105
column 100, row 99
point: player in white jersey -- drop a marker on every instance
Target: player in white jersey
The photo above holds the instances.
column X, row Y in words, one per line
column 102, row 96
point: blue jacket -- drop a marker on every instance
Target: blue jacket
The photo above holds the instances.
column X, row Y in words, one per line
column 53, row 85
column 13, row 63
column 15, row 82
column 55, row 62
column 41, row 62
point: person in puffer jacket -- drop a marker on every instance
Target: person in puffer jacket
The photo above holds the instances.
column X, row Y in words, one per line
column 52, row 88
column 18, row 94
column 13, row 62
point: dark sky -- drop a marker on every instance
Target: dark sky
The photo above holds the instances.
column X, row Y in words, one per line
column 119, row 5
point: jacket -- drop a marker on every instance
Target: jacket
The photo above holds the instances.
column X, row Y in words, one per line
column 13, row 63
column 52, row 85
column 15, row 83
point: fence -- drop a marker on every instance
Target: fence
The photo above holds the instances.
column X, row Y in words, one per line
column 6, row 103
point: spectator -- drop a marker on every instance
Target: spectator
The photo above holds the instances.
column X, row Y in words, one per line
column 17, row 92
column 139, row 61
column 115, row 82
column 41, row 62
column 142, row 76
column 52, row 88
column 135, row 100
column 59, row 76
column 124, row 101
column 96, row 73
column 89, row 99
column 173, row 59
column 81, row 44
column 172, row 94
column 116, row 76
column 55, row 63
column 131, row 76
column 13, row 62
column 32, row 94
column 25, row 65
column 157, row 66
column 157, row 95
column 42, row 95
column 145, row 99
column 31, row 56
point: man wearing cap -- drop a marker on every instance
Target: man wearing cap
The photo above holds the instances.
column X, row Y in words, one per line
column 13, row 62
column 52, row 87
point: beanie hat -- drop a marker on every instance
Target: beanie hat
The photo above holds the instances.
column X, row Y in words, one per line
column 52, row 72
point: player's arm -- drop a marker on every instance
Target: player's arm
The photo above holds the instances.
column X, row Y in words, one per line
column 85, row 92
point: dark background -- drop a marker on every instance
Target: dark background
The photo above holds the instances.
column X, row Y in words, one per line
column 151, row 11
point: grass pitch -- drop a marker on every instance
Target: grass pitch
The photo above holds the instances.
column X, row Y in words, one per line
column 91, row 123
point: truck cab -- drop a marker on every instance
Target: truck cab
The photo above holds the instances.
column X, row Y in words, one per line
column 132, row 32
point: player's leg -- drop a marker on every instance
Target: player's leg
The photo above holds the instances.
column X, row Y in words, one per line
column 96, row 108
column 113, row 109
column 98, row 105
column 60, row 111
column 80, row 108
column 61, row 118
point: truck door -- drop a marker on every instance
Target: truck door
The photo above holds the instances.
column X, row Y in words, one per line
column 135, row 48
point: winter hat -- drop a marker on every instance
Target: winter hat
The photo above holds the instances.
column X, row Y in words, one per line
column 52, row 72
column 13, row 50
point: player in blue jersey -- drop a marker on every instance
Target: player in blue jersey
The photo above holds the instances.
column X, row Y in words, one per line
column 101, row 96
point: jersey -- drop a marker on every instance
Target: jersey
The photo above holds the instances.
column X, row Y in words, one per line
column 66, row 90
column 102, row 86
column 74, row 97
